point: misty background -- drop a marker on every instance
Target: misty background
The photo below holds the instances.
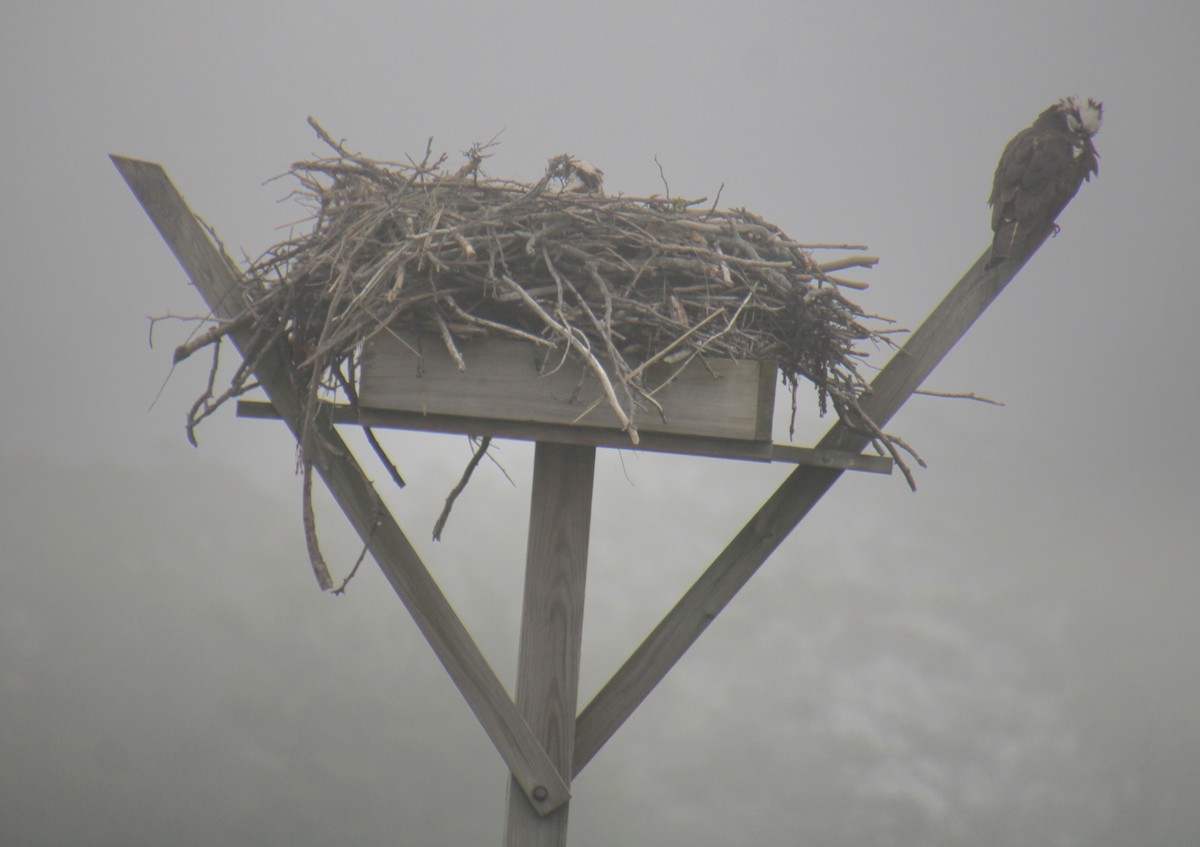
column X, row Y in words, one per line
column 1008, row 656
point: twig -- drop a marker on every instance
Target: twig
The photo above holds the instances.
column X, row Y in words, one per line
column 320, row 569
column 154, row 320
column 659, row 356
column 959, row 396
column 495, row 326
column 352, row 396
column 448, row 340
column 597, row 368
column 482, row 449
column 501, row 468
column 195, row 414
column 891, row 444
column 211, row 335
column 339, row 148
column 848, row 283
column 848, row 262
column 341, row 589
column 712, row 211
column 811, row 246
column 662, row 175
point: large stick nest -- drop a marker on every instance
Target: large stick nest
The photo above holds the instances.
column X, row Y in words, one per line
column 557, row 262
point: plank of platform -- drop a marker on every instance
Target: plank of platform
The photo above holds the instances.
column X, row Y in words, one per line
column 215, row 276
column 754, row 451
column 776, row 519
column 727, row 399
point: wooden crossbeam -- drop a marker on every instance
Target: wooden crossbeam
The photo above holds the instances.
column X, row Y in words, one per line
column 216, row 278
column 753, row 451
column 784, row 510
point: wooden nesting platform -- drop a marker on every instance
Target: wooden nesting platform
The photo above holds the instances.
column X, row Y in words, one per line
column 719, row 408
column 513, row 380
column 544, row 740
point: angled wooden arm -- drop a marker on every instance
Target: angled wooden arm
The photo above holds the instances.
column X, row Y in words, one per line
column 794, row 498
column 217, row 280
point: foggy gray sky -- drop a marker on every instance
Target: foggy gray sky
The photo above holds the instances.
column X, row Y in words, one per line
column 1007, row 656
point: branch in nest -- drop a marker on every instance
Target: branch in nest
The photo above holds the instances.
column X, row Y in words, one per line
column 662, row 355
column 479, row 453
column 856, row 420
column 848, row 262
column 341, row 589
column 211, row 335
column 320, row 569
column 570, row 338
column 448, row 340
column 342, row 152
column 957, row 395
column 154, row 319
column 848, row 283
column 475, row 156
column 352, row 396
column 494, row 326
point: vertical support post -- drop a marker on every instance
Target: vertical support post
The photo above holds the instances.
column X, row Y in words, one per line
column 552, row 627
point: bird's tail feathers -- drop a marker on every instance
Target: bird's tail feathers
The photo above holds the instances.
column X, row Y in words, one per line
column 1002, row 243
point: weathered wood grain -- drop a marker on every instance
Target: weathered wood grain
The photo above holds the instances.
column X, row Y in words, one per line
column 552, row 624
column 717, row 448
column 507, row 379
column 217, row 280
column 776, row 519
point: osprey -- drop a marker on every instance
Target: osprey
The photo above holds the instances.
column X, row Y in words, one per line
column 575, row 175
column 1040, row 170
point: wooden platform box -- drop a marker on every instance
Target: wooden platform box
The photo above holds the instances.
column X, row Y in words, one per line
column 508, row 381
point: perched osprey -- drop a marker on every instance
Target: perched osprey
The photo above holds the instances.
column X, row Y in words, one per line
column 576, row 175
column 1040, row 171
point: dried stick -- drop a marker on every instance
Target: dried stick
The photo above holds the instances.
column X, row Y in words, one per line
column 352, row 396
column 503, row 329
column 891, row 443
column 341, row 589
column 970, row 395
column 636, row 372
column 448, row 340
column 848, row 283
column 597, row 368
column 320, row 569
column 195, row 414
column 848, row 262
column 603, row 328
column 210, row 335
column 479, row 453
column 807, row 246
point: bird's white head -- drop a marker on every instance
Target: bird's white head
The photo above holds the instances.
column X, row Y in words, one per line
column 1083, row 116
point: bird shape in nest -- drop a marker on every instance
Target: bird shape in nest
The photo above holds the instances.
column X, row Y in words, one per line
column 1041, row 169
column 575, row 175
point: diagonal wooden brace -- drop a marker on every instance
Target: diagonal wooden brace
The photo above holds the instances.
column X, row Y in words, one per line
column 217, row 280
column 784, row 510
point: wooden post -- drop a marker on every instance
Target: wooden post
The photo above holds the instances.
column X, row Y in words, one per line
column 552, row 625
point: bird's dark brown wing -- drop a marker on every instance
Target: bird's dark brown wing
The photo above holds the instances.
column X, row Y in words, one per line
column 1030, row 188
